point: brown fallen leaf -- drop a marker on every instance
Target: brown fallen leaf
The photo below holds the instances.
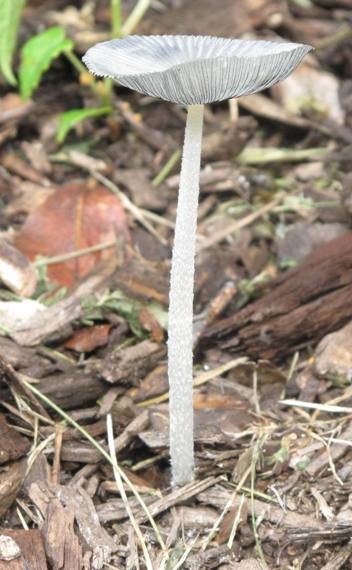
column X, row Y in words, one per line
column 89, row 338
column 74, row 217
column 228, row 521
column 215, row 400
column 150, row 324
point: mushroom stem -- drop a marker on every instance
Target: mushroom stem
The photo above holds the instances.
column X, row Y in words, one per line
column 180, row 357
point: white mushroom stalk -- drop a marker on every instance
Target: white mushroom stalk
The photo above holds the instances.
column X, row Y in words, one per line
column 190, row 70
column 180, row 356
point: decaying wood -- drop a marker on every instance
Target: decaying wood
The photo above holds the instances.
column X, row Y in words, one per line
column 78, row 387
column 333, row 453
column 303, row 304
column 176, row 497
column 249, row 564
column 129, row 364
column 331, row 532
column 16, row 271
column 340, row 558
column 15, row 355
column 57, row 318
column 97, row 538
column 143, row 280
column 61, row 543
column 72, row 389
column 12, row 379
column 80, row 452
column 114, row 509
column 210, row 558
column 30, row 548
column 62, row 507
column 137, row 425
column 11, row 479
column 12, row 444
column 219, row 497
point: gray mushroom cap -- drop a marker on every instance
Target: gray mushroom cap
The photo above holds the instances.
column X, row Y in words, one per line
column 194, row 69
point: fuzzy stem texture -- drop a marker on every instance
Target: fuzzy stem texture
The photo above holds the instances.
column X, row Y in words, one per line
column 180, row 357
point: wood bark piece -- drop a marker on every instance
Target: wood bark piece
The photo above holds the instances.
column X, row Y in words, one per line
column 97, row 538
column 73, row 389
column 114, row 509
column 302, row 305
column 249, row 564
column 62, row 507
column 16, row 271
column 333, row 355
column 55, row 319
column 62, row 545
column 334, row 453
column 11, row 479
column 177, row 497
column 337, row 561
column 31, row 550
column 12, row 378
column 77, row 388
column 136, row 426
column 219, row 497
column 12, row 444
column 20, row 357
column 143, row 280
column 129, row 364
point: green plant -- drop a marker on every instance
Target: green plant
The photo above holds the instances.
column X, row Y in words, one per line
column 10, row 17
column 38, row 53
column 103, row 89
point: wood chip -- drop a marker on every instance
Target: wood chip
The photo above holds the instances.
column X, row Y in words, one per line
column 178, row 496
column 16, row 272
column 219, row 496
column 11, row 479
column 335, row 452
column 303, row 303
column 62, row 506
column 27, row 550
column 57, row 317
column 12, row 444
column 130, row 364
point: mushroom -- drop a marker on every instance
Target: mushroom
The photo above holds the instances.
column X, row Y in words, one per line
column 191, row 71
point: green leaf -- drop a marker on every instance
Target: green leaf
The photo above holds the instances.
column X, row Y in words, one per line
column 10, row 15
column 37, row 55
column 69, row 119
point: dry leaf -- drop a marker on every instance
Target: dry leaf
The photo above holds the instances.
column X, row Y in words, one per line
column 89, row 338
column 150, row 324
column 74, row 217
